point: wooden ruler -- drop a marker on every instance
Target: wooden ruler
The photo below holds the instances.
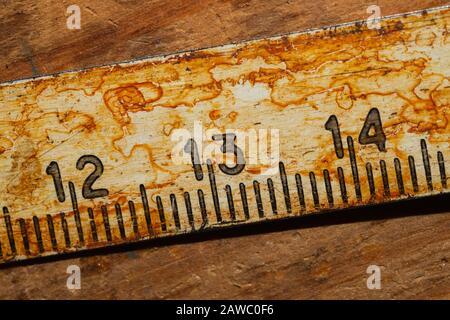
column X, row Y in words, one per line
column 298, row 124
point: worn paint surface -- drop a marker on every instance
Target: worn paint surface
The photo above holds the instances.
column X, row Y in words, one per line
column 126, row 114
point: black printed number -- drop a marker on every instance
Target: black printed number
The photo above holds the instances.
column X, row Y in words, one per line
column 53, row 170
column 229, row 146
column 371, row 124
column 192, row 149
column 373, row 120
column 87, row 191
column 333, row 125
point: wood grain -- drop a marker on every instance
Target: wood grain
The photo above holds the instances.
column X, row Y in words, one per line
column 316, row 262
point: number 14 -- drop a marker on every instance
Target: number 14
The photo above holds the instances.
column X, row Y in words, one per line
column 373, row 120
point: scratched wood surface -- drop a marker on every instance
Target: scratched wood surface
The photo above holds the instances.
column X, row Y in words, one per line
column 329, row 261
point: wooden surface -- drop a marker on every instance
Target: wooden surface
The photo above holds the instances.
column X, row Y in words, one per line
column 307, row 258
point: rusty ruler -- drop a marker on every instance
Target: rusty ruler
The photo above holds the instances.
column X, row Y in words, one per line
column 297, row 124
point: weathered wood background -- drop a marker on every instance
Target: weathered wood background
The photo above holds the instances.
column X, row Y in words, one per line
column 316, row 257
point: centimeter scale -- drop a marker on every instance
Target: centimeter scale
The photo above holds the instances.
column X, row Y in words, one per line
column 272, row 128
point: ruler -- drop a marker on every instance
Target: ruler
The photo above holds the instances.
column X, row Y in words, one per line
column 267, row 129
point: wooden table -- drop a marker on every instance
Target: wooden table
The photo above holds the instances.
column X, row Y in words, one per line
column 307, row 258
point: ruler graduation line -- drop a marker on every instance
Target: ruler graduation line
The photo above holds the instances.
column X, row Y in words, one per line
column 328, row 188
column 188, row 204
column 413, row 173
column 426, row 164
column 93, row 226
column 37, row 231
column 273, row 199
column 370, row 179
column 201, row 202
column 342, row 185
column 174, row 205
column 65, row 229
column 106, row 224
column 51, row 231
column 134, row 220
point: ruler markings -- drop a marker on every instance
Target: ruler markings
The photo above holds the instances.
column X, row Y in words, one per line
column 413, row 173
column 272, row 197
column 201, row 202
column 300, row 192
column 162, row 218
column 9, row 230
column 146, row 209
column 37, row 232
column 342, row 185
column 119, row 219
column 212, row 181
column 203, row 212
column 65, row 229
column 398, row 173
column 370, row 179
column 244, row 200
column 328, row 188
column 51, row 231
column 188, row 204
column 134, row 220
column 354, row 165
column 284, row 182
column 385, row 177
column 76, row 212
column 315, row 193
column 441, row 162
column 174, row 205
column 258, row 199
column 93, row 226
column 106, row 224
column 230, row 201
column 24, row 233
column 426, row 164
